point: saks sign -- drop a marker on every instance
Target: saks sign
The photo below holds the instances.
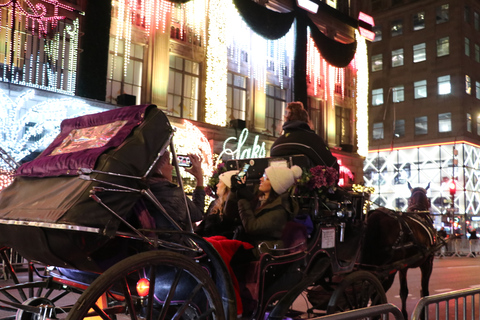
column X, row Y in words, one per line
column 240, row 151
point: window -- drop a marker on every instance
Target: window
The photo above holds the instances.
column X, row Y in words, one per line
column 444, row 86
column 421, row 125
column 397, row 28
column 377, row 62
column 469, row 122
column 466, row 14
column 183, row 88
column 442, row 13
column 476, row 21
column 468, row 84
column 420, row 89
column 443, row 47
column 316, row 111
column 419, row 21
column 378, row 131
column 276, row 104
column 467, row 47
column 120, row 82
column 445, row 122
column 236, row 96
column 377, row 97
column 477, row 90
column 378, row 33
column 477, row 53
column 397, row 58
column 398, row 94
column 399, row 128
column 342, row 125
column 478, row 125
column 419, row 52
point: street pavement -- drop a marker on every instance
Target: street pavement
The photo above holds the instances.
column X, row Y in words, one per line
column 449, row 274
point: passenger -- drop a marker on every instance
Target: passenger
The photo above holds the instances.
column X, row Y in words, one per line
column 222, row 215
column 299, row 138
column 265, row 217
column 171, row 196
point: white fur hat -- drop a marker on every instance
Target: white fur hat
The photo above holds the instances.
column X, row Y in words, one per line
column 282, row 178
column 226, row 177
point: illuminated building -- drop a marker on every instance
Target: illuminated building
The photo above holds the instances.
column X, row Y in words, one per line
column 207, row 62
column 425, row 108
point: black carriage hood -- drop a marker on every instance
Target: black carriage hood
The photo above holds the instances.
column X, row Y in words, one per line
column 48, row 189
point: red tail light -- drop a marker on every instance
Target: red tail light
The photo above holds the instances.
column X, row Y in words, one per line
column 143, row 285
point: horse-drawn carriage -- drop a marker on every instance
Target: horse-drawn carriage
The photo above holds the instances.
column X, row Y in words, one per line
column 74, row 212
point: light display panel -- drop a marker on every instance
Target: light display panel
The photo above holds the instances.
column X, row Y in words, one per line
column 43, row 44
column 27, row 125
column 389, row 171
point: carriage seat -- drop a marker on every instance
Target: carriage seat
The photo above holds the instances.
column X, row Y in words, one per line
column 294, row 239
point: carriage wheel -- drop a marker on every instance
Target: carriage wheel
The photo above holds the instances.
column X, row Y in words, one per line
column 27, row 296
column 358, row 290
column 296, row 304
column 182, row 290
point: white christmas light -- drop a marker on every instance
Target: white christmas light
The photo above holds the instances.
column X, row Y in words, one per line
column 361, row 61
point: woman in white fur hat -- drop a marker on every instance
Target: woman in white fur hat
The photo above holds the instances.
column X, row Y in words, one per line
column 222, row 215
column 264, row 218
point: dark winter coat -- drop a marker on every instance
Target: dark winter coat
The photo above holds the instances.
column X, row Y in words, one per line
column 298, row 138
column 225, row 224
column 266, row 223
column 171, row 197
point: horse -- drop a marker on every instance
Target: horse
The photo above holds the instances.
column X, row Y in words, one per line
column 397, row 241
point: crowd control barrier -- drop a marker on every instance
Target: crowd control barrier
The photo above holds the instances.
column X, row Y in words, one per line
column 460, row 304
column 460, row 248
column 383, row 310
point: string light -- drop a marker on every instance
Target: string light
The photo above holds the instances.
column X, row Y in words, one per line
column 189, row 139
column 361, row 62
column 216, row 59
column 19, row 139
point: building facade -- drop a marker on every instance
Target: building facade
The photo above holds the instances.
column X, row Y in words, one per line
column 425, row 106
column 219, row 72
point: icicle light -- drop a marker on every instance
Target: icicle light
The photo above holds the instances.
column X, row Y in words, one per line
column 318, row 69
column 248, row 49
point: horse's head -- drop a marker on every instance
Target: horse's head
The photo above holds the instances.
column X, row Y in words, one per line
column 418, row 200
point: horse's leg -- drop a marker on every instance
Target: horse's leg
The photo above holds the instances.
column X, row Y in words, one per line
column 426, row 269
column 402, row 276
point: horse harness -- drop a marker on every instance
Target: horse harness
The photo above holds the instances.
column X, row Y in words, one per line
column 406, row 238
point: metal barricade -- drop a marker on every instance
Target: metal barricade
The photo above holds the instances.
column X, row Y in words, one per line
column 449, row 305
column 382, row 310
column 465, row 247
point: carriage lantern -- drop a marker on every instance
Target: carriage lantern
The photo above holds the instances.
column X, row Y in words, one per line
column 452, row 186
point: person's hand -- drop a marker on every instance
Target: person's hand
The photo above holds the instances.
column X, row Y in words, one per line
column 237, row 183
column 196, row 168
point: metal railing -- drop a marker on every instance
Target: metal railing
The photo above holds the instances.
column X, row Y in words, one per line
column 449, row 305
column 382, row 310
column 461, row 247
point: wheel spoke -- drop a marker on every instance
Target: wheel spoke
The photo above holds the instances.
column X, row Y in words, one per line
column 100, row 312
column 186, row 303
column 169, row 297
column 151, row 293
column 128, row 298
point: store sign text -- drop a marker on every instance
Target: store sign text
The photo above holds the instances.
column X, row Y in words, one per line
column 242, row 152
